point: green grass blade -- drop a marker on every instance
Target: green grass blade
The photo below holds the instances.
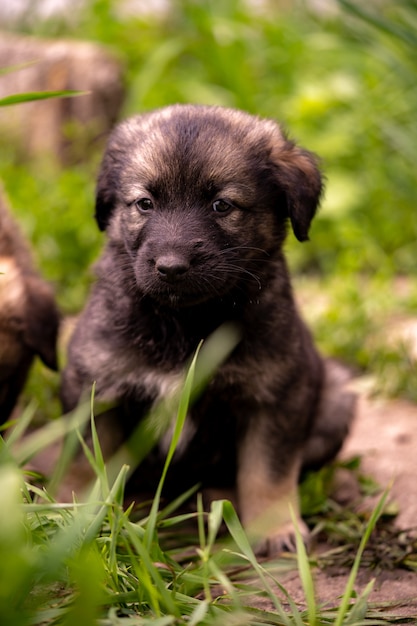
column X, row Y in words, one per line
column 305, row 573
column 238, row 534
column 359, row 610
column 199, row 613
column 15, row 68
column 39, row 95
column 214, row 351
column 215, row 518
column 203, row 551
column 175, row 504
column 21, row 424
column 113, row 496
column 88, row 574
column 344, row 606
column 149, row 430
column 69, row 448
column 6, row 456
column 37, row 441
column 149, row 575
column 226, row 584
column 179, row 423
column 389, row 27
column 200, row 524
column 100, row 465
column 167, row 620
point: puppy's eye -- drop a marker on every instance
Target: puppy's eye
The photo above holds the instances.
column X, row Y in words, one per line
column 222, row 207
column 144, row 205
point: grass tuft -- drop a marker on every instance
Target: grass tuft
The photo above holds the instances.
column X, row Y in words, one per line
column 93, row 562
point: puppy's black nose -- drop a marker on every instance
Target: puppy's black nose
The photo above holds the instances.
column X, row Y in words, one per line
column 171, row 267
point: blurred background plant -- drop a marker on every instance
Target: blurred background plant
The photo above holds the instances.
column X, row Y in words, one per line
column 339, row 74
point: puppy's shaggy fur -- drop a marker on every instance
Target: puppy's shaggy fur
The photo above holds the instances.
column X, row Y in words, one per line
column 28, row 315
column 195, row 201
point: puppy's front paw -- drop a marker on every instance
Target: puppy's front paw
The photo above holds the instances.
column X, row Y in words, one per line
column 272, row 524
column 268, row 504
column 281, row 540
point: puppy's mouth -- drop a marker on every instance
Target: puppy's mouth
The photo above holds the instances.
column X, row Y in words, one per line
column 180, row 292
column 180, row 300
column 178, row 283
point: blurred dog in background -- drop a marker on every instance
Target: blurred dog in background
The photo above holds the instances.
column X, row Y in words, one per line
column 196, row 201
column 29, row 318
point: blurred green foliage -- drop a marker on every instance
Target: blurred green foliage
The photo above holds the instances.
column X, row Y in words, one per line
column 344, row 83
column 342, row 80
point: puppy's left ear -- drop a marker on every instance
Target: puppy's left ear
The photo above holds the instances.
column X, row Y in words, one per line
column 106, row 194
column 297, row 174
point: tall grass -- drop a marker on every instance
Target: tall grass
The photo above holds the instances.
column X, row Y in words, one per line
column 93, row 562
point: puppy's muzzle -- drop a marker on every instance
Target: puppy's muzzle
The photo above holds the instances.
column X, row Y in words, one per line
column 172, row 267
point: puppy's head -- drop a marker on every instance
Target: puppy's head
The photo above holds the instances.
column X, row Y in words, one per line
column 199, row 198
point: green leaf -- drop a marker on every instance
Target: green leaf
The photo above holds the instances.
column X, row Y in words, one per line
column 179, row 423
column 237, row 532
column 37, row 441
column 39, row 95
column 199, row 613
column 14, row 68
column 344, row 605
column 305, row 573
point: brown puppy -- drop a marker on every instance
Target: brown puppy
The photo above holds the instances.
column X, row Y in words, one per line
column 195, row 201
column 28, row 315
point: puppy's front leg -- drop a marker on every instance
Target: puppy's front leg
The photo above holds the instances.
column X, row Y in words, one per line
column 266, row 495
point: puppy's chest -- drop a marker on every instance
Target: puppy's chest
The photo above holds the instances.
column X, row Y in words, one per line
column 215, row 411
column 223, row 408
column 128, row 371
column 122, row 374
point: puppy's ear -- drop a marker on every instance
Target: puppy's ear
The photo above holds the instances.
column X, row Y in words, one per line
column 106, row 191
column 298, row 174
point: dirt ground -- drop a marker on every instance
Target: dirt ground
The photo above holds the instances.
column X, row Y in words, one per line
column 384, row 434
